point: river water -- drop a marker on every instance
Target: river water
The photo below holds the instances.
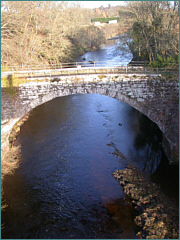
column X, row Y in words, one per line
column 112, row 54
column 63, row 187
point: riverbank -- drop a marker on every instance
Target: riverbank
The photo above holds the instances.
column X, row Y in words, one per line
column 10, row 151
column 9, row 163
column 157, row 215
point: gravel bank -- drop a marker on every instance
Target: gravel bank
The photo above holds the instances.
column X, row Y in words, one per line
column 157, row 215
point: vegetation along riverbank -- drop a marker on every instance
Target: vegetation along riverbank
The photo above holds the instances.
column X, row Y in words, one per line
column 12, row 154
column 67, row 30
column 153, row 32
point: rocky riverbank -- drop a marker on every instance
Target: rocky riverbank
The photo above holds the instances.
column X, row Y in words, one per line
column 157, row 215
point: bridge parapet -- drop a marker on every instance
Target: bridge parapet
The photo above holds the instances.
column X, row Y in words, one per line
column 91, row 67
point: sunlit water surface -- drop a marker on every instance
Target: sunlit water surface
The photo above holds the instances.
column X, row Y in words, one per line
column 114, row 53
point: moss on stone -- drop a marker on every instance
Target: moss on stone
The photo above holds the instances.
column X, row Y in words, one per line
column 101, row 76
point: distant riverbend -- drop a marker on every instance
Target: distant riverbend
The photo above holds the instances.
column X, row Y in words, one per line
column 113, row 51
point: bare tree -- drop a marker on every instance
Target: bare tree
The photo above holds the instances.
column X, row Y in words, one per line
column 45, row 32
column 154, row 29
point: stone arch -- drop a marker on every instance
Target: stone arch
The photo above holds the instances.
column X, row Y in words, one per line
column 126, row 90
column 107, row 92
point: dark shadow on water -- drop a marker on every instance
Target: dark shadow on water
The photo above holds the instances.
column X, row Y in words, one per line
column 156, row 162
column 167, row 177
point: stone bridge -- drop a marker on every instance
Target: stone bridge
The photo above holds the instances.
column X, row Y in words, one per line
column 152, row 95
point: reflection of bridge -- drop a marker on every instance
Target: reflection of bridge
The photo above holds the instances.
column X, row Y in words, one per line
column 90, row 67
column 149, row 93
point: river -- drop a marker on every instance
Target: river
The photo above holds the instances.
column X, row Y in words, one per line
column 63, row 187
column 114, row 54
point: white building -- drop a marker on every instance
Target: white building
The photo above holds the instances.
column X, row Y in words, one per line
column 112, row 21
column 97, row 23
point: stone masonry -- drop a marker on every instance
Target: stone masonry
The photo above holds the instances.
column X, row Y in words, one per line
column 152, row 95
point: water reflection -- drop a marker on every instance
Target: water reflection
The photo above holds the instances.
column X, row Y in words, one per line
column 149, row 138
column 63, row 187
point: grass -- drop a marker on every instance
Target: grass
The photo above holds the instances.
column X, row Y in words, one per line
column 11, row 81
column 5, row 69
column 10, row 159
column 104, row 20
column 8, row 165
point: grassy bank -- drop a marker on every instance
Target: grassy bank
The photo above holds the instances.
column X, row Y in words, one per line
column 11, row 157
column 9, row 164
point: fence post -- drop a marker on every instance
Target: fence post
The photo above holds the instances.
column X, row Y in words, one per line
column 12, row 71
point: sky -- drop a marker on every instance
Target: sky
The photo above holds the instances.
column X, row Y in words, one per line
column 96, row 4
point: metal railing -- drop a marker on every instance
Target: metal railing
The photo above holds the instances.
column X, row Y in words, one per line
column 90, row 67
column 67, row 65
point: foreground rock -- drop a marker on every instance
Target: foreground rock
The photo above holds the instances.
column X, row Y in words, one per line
column 157, row 216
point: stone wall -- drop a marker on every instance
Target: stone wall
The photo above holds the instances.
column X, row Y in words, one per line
column 155, row 97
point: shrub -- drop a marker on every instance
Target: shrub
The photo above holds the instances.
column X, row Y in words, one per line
column 162, row 61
